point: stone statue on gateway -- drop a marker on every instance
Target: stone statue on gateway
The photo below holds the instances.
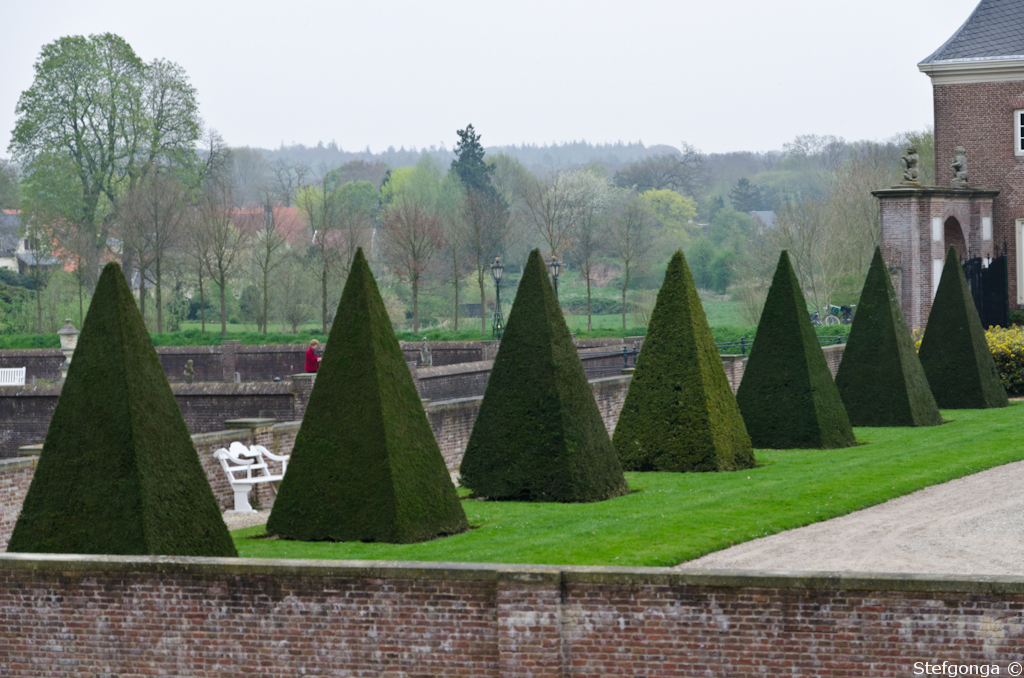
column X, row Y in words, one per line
column 911, row 175
column 959, row 167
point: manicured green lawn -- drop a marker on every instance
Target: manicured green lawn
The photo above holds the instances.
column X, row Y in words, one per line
column 670, row 518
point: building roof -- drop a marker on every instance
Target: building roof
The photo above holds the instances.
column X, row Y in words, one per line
column 32, row 259
column 994, row 30
column 766, row 218
column 10, row 225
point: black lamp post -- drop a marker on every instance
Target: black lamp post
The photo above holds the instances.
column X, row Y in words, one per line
column 496, row 270
column 553, row 268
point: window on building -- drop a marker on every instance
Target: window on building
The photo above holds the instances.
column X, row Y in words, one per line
column 1018, row 130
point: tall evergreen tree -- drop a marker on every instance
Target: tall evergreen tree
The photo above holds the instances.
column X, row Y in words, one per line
column 539, row 435
column 787, row 395
column 469, row 164
column 119, row 473
column 954, row 352
column 881, row 379
column 745, row 196
column 680, row 413
column 365, row 466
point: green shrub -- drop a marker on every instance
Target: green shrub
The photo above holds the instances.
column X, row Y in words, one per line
column 365, row 466
column 118, row 472
column 881, row 379
column 1007, row 347
column 954, row 353
column 539, row 435
column 787, row 395
column 680, row 413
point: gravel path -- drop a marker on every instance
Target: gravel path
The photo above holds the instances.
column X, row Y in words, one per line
column 236, row 521
column 972, row 525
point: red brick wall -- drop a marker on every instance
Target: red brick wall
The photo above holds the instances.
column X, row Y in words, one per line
column 111, row 616
column 15, row 477
column 979, row 117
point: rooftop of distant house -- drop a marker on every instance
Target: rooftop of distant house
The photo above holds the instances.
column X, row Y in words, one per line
column 765, row 217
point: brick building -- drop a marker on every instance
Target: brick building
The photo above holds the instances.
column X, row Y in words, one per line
column 978, row 84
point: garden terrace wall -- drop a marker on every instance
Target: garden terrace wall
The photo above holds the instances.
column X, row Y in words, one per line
column 451, row 422
column 122, row 615
column 25, row 411
column 41, row 364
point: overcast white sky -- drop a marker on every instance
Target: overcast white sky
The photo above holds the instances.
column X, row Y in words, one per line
column 724, row 76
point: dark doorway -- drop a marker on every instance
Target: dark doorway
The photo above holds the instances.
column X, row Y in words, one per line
column 953, row 235
column 989, row 289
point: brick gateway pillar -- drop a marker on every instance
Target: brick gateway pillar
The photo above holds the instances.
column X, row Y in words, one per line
column 918, row 224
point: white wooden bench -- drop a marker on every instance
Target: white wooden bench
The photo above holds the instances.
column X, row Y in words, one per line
column 247, row 467
column 12, row 376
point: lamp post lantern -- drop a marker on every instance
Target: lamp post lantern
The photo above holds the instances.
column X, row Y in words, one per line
column 68, row 342
column 553, row 267
column 496, row 270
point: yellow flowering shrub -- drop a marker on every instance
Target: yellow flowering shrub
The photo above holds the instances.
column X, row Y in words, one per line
column 1007, row 346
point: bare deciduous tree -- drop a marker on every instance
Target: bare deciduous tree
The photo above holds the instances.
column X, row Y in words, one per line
column 226, row 242
column 588, row 196
column 543, row 203
column 287, row 178
column 630, row 239
column 294, row 302
column 266, row 256
column 318, row 202
column 411, row 237
column 486, row 229
column 152, row 219
column 686, row 172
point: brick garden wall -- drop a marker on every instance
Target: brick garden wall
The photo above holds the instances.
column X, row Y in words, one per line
column 15, row 477
column 451, row 422
column 133, row 616
column 25, row 411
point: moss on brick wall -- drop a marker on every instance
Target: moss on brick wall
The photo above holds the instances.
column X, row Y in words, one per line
column 118, row 472
column 365, row 466
column 880, row 378
column 787, row 395
column 680, row 413
column 954, row 353
column 539, row 435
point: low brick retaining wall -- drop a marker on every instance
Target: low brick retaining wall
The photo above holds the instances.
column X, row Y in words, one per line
column 25, row 411
column 451, row 422
column 132, row 616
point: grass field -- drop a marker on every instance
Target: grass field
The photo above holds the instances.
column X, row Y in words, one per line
column 670, row 518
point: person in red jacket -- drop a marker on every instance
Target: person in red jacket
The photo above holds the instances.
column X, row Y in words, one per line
column 312, row 359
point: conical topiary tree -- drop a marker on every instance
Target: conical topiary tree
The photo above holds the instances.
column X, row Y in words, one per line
column 365, row 466
column 954, row 351
column 119, row 473
column 539, row 435
column 680, row 413
column 787, row 395
column 881, row 380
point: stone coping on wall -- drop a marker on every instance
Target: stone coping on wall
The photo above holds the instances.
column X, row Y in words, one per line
column 908, row 191
column 12, row 463
column 454, row 368
column 526, row 574
column 227, row 388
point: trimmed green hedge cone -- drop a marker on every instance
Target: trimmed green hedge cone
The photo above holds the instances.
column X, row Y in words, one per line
column 954, row 352
column 881, row 380
column 119, row 473
column 680, row 413
column 787, row 395
column 539, row 435
column 365, row 466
